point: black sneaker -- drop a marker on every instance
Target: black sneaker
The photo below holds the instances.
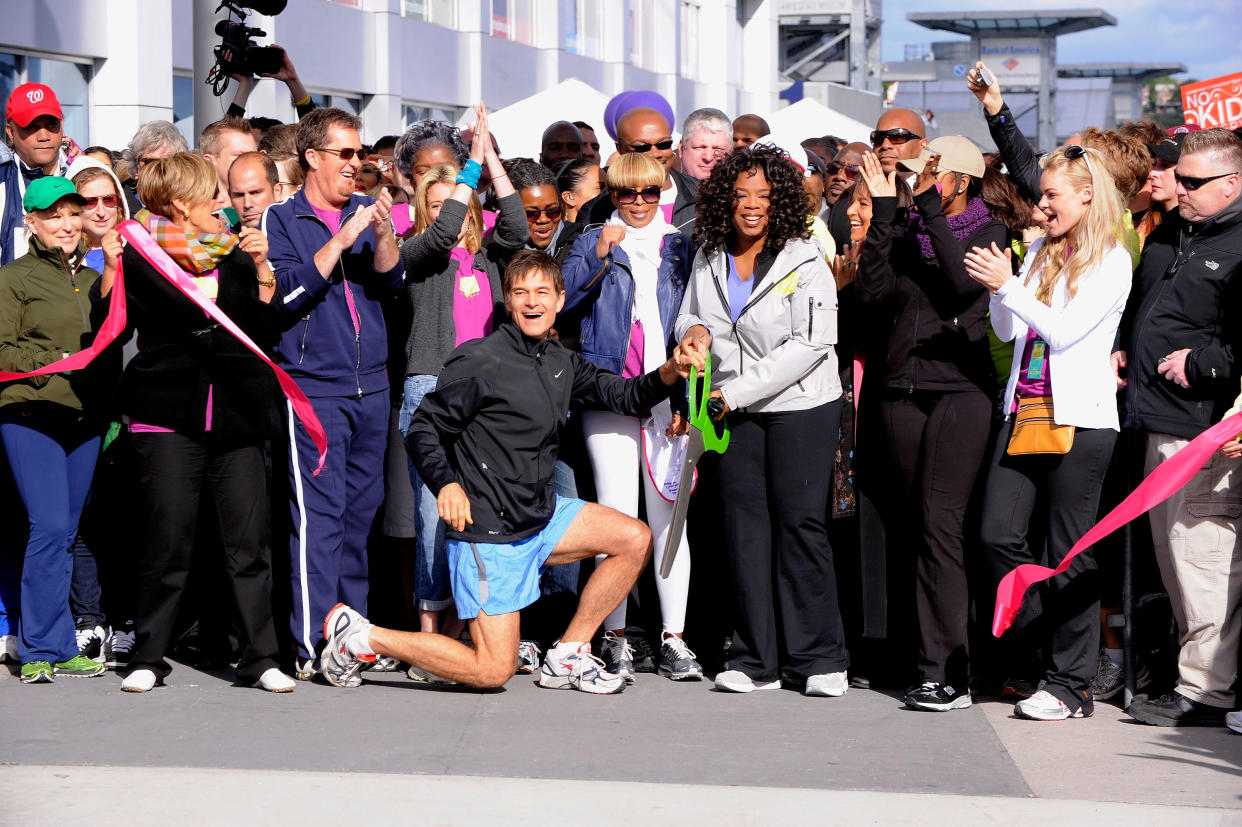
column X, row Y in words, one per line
column 937, row 697
column 120, row 646
column 644, row 655
column 1175, row 709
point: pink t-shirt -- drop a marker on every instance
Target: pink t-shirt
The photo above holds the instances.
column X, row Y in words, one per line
column 634, row 356
column 333, row 219
column 402, row 218
column 1034, row 376
column 472, row 298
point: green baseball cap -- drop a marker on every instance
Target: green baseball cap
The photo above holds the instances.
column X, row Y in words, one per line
column 45, row 191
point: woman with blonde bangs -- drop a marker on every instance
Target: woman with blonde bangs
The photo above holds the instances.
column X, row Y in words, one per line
column 452, row 290
column 1062, row 312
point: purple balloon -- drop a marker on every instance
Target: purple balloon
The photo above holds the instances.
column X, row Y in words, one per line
column 611, row 111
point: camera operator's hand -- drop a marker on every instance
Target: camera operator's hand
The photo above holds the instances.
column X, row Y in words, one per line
column 245, row 85
column 288, row 75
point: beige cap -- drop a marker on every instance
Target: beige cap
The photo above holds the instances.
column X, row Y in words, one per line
column 957, row 154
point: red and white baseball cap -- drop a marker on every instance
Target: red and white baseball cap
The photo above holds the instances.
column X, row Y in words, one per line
column 29, row 101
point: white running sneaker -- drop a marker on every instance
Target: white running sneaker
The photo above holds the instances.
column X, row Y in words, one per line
column 305, row 669
column 565, row 668
column 140, row 680
column 617, row 656
column 423, row 676
column 831, row 685
column 92, row 643
column 8, row 649
column 273, row 680
column 735, row 681
column 1233, row 720
column 383, row 663
column 1044, row 706
column 340, row 663
column 528, row 657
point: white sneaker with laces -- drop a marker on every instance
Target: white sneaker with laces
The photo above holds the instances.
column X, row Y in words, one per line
column 1044, row 706
column 273, row 680
column 831, row 685
column 8, row 649
column 140, row 680
column 566, row 668
column 343, row 656
column 736, row 681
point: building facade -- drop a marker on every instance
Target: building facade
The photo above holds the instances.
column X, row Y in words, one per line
column 119, row 63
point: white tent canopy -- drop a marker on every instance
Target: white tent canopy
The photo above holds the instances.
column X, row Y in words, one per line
column 809, row 118
column 518, row 127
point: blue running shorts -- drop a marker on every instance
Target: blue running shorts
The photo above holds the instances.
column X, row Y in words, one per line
column 498, row 578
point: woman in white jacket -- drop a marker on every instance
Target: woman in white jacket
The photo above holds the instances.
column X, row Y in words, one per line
column 762, row 298
column 1062, row 312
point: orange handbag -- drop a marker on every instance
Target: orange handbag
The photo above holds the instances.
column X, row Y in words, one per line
column 1034, row 431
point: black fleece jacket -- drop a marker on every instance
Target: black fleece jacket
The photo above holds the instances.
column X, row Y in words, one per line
column 493, row 424
column 938, row 313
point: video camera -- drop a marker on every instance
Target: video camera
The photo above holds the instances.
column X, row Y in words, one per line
column 237, row 53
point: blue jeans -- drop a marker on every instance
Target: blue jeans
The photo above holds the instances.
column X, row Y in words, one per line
column 53, row 475
column 432, row 587
column 85, row 594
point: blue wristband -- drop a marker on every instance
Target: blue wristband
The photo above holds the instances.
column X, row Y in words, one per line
column 470, row 173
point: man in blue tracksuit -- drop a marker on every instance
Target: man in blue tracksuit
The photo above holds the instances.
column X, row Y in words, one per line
column 335, row 258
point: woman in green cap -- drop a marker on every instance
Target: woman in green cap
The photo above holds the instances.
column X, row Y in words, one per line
column 50, row 443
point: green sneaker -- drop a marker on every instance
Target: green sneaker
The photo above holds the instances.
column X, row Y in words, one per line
column 37, row 671
column 79, row 666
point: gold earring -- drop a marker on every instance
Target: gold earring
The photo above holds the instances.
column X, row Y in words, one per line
column 185, row 215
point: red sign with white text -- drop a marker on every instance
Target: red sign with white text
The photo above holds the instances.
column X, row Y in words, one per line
column 1216, row 102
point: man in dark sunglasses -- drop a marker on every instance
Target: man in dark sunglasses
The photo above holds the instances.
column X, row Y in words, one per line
column 1182, row 369
column 899, row 136
column 646, row 131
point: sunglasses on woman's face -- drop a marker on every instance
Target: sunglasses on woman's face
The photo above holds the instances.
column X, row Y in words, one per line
column 896, row 137
column 552, row 213
column 108, row 201
column 628, row 195
column 1191, row 183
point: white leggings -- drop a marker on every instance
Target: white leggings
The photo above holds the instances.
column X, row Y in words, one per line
column 615, row 445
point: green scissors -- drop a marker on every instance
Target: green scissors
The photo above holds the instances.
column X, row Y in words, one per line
column 703, row 437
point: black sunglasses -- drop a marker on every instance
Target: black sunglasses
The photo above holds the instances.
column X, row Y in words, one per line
column 896, row 137
column 1073, row 152
column 851, row 171
column 346, row 153
column 643, row 149
column 552, row 213
column 1191, row 184
column 628, row 195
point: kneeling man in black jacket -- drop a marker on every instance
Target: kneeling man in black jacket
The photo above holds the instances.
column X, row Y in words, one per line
column 485, row 441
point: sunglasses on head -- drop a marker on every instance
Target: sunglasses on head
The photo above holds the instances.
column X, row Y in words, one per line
column 552, row 213
column 1073, row 152
column 643, row 149
column 628, row 195
column 850, row 170
column 1191, row 183
column 345, row 153
column 896, row 137
column 108, row 201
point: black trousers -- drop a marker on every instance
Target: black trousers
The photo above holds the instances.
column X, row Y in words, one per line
column 775, row 480
column 937, row 441
column 1068, row 488
column 172, row 469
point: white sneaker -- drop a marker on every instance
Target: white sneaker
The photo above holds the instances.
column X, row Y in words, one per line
column 578, row 669
column 1233, row 720
column 831, row 685
column 1044, row 706
column 140, row 680
column 339, row 664
column 8, row 649
column 423, row 676
column 735, row 681
column 273, row 680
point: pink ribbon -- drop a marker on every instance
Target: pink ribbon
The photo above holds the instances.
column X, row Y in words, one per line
column 1159, row 485
column 134, row 233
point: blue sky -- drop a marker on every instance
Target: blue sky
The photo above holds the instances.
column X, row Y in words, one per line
column 1202, row 34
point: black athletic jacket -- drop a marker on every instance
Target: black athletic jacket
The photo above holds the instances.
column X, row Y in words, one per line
column 494, row 421
column 1187, row 294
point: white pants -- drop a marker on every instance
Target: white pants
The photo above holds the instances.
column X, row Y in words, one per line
column 615, row 445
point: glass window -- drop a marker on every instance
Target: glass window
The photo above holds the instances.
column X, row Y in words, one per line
column 412, row 113
column 581, row 24
column 513, row 20
column 183, row 107
column 440, row 12
column 690, row 38
column 70, row 81
column 642, row 37
column 351, row 105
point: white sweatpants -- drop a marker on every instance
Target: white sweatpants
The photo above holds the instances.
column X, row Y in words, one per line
column 615, row 445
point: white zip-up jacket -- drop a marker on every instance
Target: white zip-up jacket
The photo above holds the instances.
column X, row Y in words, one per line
column 1079, row 334
column 779, row 355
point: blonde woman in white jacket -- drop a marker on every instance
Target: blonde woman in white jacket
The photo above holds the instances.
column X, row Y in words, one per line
column 762, row 298
column 1062, row 312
